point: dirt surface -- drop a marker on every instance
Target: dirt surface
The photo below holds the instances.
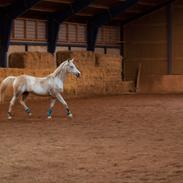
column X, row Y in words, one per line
column 119, row 139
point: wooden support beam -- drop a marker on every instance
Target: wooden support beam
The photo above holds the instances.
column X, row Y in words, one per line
column 145, row 3
column 60, row 1
column 97, row 6
column 5, row 30
column 133, row 11
column 122, row 52
column 58, row 17
column 84, row 14
column 170, row 37
column 92, row 31
column 49, row 10
column 53, row 28
column 102, row 18
column 6, row 19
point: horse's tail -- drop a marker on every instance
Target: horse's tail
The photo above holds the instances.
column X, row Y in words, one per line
column 4, row 84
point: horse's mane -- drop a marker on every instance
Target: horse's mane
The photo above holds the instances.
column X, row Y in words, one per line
column 59, row 68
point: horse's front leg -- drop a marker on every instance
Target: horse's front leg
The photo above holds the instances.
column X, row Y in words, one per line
column 53, row 100
column 61, row 99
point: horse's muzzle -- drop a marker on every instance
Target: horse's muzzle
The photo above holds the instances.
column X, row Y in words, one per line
column 78, row 75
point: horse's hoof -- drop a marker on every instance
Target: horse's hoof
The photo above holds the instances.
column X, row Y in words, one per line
column 9, row 117
column 49, row 117
column 69, row 115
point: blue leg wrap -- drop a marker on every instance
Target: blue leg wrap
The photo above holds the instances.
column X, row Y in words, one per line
column 28, row 110
column 49, row 112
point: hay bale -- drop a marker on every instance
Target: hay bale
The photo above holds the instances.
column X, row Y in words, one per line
column 85, row 61
column 80, row 57
column 61, row 56
column 111, row 65
column 97, row 72
column 108, row 61
column 89, row 84
column 32, row 60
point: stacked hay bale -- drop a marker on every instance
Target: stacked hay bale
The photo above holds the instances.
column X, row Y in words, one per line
column 81, row 57
column 111, row 66
column 32, row 60
column 100, row 74
column 85, row 61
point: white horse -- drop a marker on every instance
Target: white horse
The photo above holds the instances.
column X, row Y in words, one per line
column 51, row 85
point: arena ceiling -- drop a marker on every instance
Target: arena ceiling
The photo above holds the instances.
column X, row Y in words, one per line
column 43, row 9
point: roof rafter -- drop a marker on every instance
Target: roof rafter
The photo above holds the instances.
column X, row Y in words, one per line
column 152, row 9
column 98, row 6
column 74, row 8
column 20, row 7
column 146, row 3
column 59, row 1
column 92, row 5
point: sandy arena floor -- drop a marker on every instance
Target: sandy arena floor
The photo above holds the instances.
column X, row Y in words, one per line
column 119, row 139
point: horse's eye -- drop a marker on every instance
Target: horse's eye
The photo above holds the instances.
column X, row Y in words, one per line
column 71, row 67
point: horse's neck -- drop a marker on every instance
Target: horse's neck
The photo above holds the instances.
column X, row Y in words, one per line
column 61, row 76
column 60, row 73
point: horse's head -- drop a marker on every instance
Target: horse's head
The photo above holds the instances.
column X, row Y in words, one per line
column 72, row 68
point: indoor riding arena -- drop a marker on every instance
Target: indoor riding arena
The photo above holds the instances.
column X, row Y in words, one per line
column 127, row 104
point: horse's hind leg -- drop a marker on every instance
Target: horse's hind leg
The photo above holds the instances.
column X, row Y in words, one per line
column 16, row 94
column 12, row 103
column 22, row 102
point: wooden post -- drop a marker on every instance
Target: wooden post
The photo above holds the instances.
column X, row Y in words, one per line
column 169, row 38
column 137, row 86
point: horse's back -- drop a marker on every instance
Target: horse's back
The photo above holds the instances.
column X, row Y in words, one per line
column 36, row 85
column 27, row 79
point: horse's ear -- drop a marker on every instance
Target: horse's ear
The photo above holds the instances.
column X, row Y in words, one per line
column 70, row 60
